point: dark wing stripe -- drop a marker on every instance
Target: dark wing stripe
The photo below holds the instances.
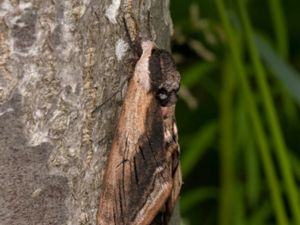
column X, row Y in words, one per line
column 114, row 214
column 121, row 204
column 135, row 170
column 153, row 153
column 123, row 181
column 126, row 148
column 142, row 153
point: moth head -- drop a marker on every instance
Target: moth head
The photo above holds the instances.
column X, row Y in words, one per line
column 165, row 79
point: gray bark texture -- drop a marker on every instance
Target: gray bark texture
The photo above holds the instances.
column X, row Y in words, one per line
column 63, row 66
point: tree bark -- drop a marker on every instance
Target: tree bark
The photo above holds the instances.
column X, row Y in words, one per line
column 63, row 66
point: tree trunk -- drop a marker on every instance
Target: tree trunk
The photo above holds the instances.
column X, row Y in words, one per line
column 63, row 66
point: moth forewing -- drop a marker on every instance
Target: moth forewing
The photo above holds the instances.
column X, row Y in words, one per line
column 137, row 181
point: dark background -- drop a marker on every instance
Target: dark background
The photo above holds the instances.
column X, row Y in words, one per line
column 238, row 111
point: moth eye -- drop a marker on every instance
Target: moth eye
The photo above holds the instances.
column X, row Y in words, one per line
column 163, row 97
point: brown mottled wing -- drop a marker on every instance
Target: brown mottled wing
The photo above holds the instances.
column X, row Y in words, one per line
column 137, row 182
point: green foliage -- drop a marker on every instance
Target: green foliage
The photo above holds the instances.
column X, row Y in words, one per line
column 238, row 113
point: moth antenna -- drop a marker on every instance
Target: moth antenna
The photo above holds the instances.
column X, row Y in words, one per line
column 127, row 33
column 131, row 28
column 149, row 33
column 130, row 40
column 130, row 21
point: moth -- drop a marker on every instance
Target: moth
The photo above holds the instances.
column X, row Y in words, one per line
column 142, row 179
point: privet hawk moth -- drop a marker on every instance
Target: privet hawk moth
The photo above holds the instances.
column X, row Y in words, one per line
column 142, row 179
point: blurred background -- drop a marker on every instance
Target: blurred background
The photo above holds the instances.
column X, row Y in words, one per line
column 238, row 112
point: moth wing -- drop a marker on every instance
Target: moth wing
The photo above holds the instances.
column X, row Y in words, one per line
column 177, row 182
column 154, row 185
column 137, row 183
column 150, row 180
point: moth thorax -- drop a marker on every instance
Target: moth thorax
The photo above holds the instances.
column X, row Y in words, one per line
column 142, row 73
column 143, row 80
